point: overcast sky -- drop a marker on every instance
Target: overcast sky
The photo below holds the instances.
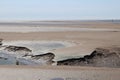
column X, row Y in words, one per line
column 59, row 9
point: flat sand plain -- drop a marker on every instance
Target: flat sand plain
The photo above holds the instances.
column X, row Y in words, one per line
column 58, row 73
column 86, row 41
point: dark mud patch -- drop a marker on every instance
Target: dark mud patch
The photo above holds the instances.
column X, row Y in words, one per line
column 100, row 57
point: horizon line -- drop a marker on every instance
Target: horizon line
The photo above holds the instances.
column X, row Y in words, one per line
column 60, row 20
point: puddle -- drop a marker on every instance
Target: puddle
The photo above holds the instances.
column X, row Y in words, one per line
column 39, row 47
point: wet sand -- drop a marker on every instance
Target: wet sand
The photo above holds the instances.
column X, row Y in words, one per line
column 86, row 42
column 51, row 73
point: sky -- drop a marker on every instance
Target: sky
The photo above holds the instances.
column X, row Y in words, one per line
column 59, row 9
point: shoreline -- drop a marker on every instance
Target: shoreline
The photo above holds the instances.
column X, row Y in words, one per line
column 54, row 29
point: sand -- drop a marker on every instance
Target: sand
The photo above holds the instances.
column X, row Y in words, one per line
column 99, row 34
column 50, row 73
column 86, row 41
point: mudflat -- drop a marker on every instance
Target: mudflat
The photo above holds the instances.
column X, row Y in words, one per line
column 85, row 35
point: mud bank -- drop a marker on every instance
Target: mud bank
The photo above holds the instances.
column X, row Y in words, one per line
column 100, row 57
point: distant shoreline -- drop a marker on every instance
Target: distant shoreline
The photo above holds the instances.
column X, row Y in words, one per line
column 78, row 20
column 52, row 29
